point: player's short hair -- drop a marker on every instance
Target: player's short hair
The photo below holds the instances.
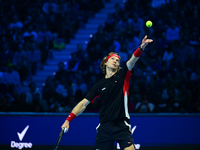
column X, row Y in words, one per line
column 103, row 66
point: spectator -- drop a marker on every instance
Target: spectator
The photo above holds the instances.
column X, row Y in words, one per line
column 194, row 39
column 131, row 6
column 89, row 73
column 135, row 97
column 4, row 104
column 38, row 104
column 188, row 101
column 34, row 56
column 73, row 63
column 170, row 90
column 133, row 43
column 116, row 42
column 21, row 63
column 149, row 75
column 16, row 36
column 109, row 23
column 17, row 39
column 12, row 80
column 118, row 13
column 30, row 32
column 43, row 34
column 181, row 20
column 190, row 63
column 144, row 106
column 169, row 54
column 55, row 107
column 61, row 73
column 80, row 51
column 196, row 103
column 32, row 92
column 72, row 103
column 50, row 95
column 195, row 75
column 106, row 40
column 176, row 107
column 48, row 81
column 50, row 7
column 41, row 19
column 172, row 32
column 91, row 82
column 97, row 5
column 129, row 31
column 93, row 41
column 83, row 66
column 194, row 20
column 3, row 86
column 138, row 23
column 28, row 21
column 162, row 43
column 172, row 100
column 182, row 51
column 79, row 84
column 53, row 26
column 58, row 43
column 23, row 105
column 157, row 65
column 46, row 49
column 62, row 87
column 75, row 17
column 124, row 21
column 162, row 106
column 15, row 23
column 69, row 95
column 123, row 53
column 6, row 55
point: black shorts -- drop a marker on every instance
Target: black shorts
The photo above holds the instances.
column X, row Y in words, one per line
column 109, row 132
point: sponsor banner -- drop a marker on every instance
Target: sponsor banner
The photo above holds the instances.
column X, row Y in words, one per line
column 20, row 145
column 26, row 130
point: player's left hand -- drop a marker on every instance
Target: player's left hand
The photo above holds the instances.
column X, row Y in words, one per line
column 145, row 42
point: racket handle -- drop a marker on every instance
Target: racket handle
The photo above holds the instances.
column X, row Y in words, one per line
column 64, row 130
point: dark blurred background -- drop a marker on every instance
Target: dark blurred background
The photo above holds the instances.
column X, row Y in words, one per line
column 165, row 79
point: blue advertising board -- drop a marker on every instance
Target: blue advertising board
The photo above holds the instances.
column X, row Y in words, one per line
column 26, row 130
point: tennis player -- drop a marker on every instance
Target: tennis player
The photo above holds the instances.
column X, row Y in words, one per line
column 113, row 90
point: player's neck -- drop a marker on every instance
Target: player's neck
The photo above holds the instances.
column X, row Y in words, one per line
column 110, row 73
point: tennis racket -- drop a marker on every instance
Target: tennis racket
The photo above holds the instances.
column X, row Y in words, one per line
column 60, row 137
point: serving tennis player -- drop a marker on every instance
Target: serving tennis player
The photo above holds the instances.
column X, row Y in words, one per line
column 113, row 90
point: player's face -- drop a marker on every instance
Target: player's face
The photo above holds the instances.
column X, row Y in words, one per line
column 113, row 62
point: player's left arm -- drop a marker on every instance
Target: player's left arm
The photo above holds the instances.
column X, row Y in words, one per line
column 136, row 55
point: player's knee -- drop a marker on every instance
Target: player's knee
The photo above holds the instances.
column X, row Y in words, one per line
column 130, row 148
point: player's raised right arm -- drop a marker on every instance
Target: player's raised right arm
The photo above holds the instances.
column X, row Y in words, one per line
column 78, row 109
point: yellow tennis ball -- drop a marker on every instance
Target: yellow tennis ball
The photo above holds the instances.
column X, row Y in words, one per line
column 149, row 23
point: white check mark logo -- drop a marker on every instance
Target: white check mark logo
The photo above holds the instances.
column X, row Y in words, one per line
column 21, row 135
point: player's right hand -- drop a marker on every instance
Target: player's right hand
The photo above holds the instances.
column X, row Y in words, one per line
column 65, row 125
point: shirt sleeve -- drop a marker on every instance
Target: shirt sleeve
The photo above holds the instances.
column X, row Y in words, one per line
column 93, row 93
column 125, row 70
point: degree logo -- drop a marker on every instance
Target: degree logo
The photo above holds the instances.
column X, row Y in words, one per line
column 21, row 135
column 21, row 145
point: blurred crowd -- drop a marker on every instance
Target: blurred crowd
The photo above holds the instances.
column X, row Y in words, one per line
column 166, row 78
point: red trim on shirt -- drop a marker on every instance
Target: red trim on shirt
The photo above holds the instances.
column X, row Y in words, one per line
column 94, row 98
column 127, row 82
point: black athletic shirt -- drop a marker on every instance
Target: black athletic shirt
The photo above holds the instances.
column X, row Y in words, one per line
column 113, row 92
